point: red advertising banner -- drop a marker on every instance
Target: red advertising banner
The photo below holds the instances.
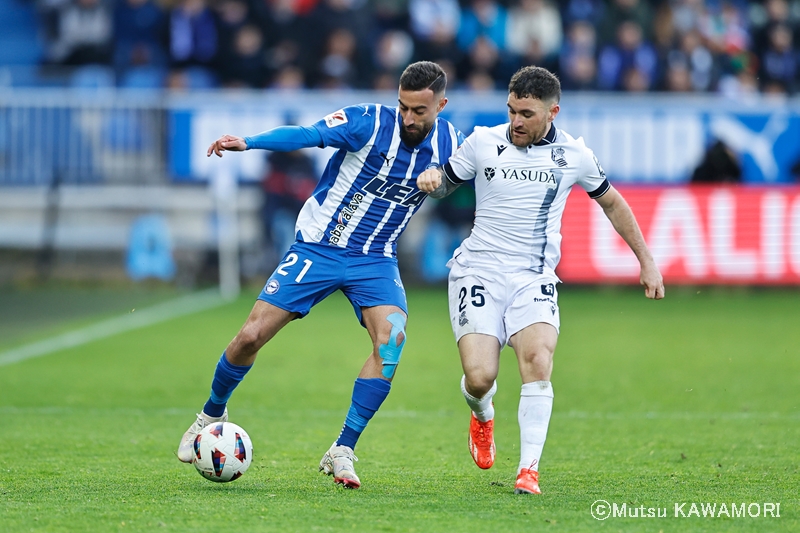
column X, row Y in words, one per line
column 698, row 234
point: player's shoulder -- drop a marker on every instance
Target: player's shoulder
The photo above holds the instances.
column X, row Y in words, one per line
column 575, row 143
column 564, row 137
column 444, row 123
column 351, row 115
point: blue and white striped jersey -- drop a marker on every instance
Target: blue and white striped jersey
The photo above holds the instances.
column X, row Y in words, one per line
column 368, row 191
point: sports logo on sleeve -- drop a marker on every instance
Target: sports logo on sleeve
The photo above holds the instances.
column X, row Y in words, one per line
column 337, row 118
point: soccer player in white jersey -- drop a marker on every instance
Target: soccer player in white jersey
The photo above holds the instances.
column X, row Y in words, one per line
column 502, row 282
column 347, row 235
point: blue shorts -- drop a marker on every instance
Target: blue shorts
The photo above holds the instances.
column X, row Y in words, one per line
column 310, row 272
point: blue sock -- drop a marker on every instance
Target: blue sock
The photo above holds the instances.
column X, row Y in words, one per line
column 226, row 378
column 368, row 395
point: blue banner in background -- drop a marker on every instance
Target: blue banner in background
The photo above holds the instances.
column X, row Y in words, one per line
column 640, row 139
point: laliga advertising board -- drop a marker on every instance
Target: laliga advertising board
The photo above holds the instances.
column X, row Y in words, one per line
column 698, row 234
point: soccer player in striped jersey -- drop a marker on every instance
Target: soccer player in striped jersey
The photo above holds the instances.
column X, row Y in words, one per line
column 347, row 235
column 502, row 282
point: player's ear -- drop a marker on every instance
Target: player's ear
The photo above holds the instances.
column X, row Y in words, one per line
column 554, row 109
column 442, row 103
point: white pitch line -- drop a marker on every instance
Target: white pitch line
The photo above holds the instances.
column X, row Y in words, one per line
column 162, row 312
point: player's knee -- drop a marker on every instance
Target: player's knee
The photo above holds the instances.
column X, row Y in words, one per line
column 478, row 383
column 249, row 340
column 391, row 351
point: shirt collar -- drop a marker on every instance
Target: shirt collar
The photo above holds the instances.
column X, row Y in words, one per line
column 550, row 138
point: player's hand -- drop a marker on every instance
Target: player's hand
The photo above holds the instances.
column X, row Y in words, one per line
column 653, row 283
column 230, row 143
column 429, row 180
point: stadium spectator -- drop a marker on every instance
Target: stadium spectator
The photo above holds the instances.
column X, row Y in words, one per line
column 739, row 81
column 688, row 14
column 693, row 55
column 621, row 11
column 231, row 16
column 678, row 78
column 590, row 11
column 483, row 60
column 337, row 46
column 434, row 25
column 139, row 35
column 629, row 56
column 193, row 37
column 288, row 78
column 346, row 240
column 347, row 43
column 773, row 13
column 577, row 64
column 779, row 61
column 500, row 292
column 483, row 18
column 390, row 14
column 83, row 33
column 724, row 30
column 394, row 50
column 243, row 64
column 338, row 67
column 534, row 33
column 289, row 181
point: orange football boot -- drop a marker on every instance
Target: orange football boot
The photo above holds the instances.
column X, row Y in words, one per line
column 481, row 442
column 527, row 482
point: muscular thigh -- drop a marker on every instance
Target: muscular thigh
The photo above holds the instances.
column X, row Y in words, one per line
column 477, row 302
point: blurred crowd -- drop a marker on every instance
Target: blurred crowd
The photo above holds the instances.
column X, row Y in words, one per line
column 731, row 47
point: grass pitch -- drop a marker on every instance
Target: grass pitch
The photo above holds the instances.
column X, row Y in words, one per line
column 693, row 399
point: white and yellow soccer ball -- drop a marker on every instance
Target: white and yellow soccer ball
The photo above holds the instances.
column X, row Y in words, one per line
column 223, row 452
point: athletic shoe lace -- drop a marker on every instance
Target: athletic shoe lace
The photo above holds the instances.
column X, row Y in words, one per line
column 482, row 434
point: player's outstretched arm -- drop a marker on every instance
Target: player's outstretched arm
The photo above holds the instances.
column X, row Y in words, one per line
column 230, row 143
column 434, row 182
column 280, row 139
column 621, row 216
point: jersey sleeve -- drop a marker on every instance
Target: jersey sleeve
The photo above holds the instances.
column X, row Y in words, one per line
column 592, row 176
column 461, row 166
column 349, row 128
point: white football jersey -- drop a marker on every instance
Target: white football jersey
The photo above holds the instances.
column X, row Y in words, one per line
column 520, row 196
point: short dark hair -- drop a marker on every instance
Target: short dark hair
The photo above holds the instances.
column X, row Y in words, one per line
column 424, row 75
column 536, row 82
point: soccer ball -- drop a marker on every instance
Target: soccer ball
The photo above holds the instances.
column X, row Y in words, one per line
column 222, row 452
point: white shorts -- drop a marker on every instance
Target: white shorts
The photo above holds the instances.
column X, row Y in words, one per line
column 500, row 303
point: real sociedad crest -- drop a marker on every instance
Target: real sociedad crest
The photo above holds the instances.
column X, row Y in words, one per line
column 557, row 155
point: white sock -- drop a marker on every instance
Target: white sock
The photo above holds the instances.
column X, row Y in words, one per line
column 482, row 407
column 535, row 407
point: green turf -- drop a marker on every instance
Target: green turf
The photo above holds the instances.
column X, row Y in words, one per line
column 692, row 399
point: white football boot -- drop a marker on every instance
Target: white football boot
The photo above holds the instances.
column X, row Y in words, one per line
column 338, row 462
column 186, row 448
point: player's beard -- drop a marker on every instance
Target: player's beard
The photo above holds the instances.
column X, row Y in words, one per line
column 529, row 138
column 412, row 138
